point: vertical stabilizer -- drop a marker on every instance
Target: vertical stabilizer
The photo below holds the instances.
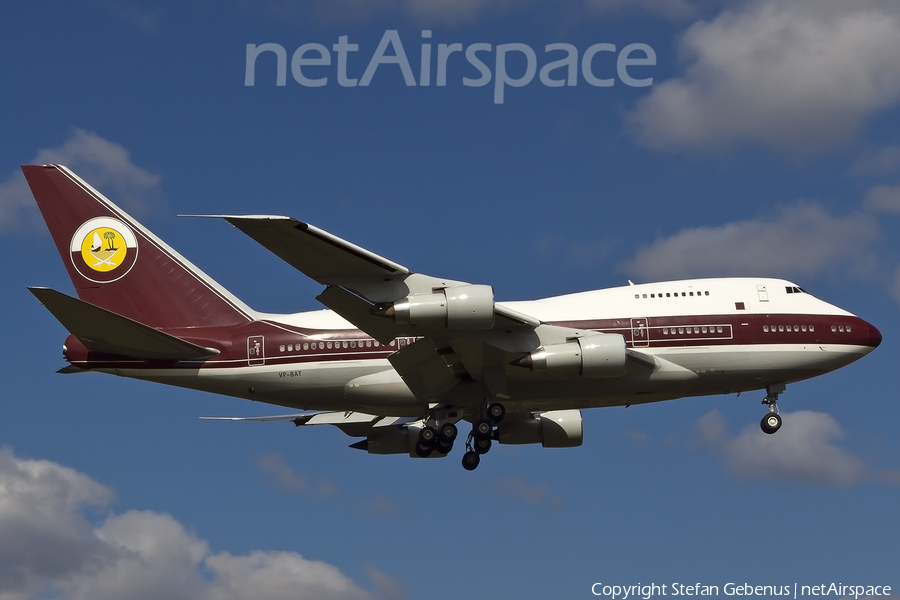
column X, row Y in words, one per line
column 117, row 264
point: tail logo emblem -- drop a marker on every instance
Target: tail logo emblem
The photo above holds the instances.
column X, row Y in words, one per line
column 103, row 250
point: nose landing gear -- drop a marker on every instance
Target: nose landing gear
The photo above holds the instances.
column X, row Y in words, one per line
column 772, row 421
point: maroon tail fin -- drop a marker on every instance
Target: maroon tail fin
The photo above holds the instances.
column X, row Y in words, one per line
column 117, row 264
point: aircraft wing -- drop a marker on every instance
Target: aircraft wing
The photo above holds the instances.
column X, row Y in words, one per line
column 467, row 336
column 354, row 424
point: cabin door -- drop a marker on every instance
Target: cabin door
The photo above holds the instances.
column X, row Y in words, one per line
column 255, row 350
column 640, row 332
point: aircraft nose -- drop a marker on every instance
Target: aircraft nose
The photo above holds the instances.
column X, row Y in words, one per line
column 873, row 338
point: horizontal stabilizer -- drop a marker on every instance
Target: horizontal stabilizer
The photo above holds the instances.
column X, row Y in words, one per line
column 106, row 332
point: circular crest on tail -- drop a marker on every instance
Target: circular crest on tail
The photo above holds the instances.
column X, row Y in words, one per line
column 103, row 250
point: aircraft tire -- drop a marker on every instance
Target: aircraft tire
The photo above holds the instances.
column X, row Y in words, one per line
column 448, row 432
column 423, row 451
column 444, row 447
column 484, row 429
column 470, row 460
column 483, row 445
column 427, row 436
column 770, row 423
column 496, row 412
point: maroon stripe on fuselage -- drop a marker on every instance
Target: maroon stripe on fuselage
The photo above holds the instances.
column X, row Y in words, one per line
column 284, row 345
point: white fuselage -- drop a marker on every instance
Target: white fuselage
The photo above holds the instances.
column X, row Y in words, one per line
column 707, row 336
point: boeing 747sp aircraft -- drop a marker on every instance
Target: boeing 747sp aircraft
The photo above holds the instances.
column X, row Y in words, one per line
column 401, row 358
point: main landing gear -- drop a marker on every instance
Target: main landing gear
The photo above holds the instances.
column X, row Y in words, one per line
column 438, row 439
column 480, row 438
column 772, row 421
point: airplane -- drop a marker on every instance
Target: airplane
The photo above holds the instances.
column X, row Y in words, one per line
column 400, row 358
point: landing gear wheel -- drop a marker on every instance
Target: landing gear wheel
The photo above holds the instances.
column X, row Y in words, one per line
column 496, row 412
column 483, row 429
column 423, row 451
column 427, row 436
column 444, row 447
column 470, row 460
column 770, row 423
column 482, row 445
column 448, row 432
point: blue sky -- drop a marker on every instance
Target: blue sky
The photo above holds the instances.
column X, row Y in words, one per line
column 767, row 144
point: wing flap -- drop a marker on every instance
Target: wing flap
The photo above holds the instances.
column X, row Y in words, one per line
column 358, row 311
column 423, row 370
column 106, row 332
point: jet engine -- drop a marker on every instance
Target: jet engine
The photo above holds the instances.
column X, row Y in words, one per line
column 462, row 307
column 394, row 439
column 552, row 429
column 596, row 355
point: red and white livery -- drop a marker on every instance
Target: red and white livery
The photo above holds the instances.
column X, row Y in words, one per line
column 401, row 357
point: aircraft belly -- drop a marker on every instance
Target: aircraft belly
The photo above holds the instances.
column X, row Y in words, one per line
column 698, row 371
column 344, row 385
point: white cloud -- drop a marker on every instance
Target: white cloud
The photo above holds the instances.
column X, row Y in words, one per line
column 883, row 198
column 455, row 12
column 278, row 576
column 50, row 549
column 44, row 536
column 147, row 19
column 17, row 207
column 800, row 75
column 895, row 285
column 380, row 505
column 672, row 9
column 877, row 161
column 526, row 492
column 803, row 450
column 105, row 165
column 284, row 477
column 802, row 239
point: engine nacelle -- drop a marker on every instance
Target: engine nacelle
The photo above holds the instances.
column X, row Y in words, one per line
column 395, row 439
column 597, row 355
column 552, row 429
column 463, row 307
